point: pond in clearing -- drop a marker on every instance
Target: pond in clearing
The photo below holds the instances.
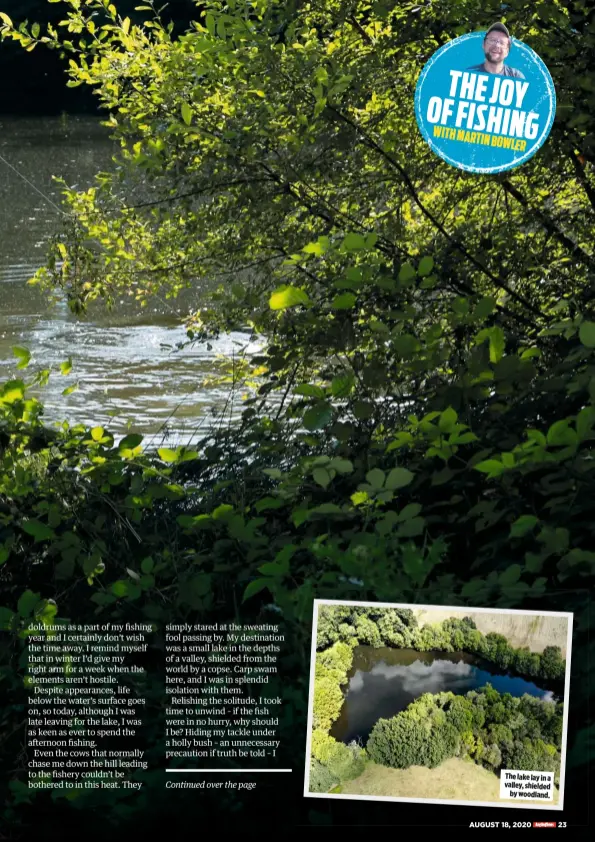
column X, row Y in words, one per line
column 383, row 682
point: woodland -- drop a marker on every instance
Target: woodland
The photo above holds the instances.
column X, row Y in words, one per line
column 418, row 425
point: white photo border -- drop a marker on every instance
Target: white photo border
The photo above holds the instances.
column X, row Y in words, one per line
column 445, row 801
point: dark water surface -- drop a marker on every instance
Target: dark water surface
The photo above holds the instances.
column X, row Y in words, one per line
column 126, row 364
column 383, row 682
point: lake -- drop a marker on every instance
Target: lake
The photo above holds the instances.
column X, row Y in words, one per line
column 384, row 681
column 129, row 372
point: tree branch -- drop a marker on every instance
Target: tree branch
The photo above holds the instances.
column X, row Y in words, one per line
column 499, row 282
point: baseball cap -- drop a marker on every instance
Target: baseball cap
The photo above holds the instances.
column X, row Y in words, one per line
column 498, row 27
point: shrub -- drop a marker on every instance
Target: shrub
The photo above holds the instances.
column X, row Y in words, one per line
column 321, row 778
column 410, row 739
column 467, row 743
column 529, row 756
column 552, row 664
column 338, row 657
column 323, row 745
column 328, row 701
column 398, row 742
column 367, row 632
column 501, row 735
column 346, row 762
column 442, row 742
column 460, row 714
column 492, row 755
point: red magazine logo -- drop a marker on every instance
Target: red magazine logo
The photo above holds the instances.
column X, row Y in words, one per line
column 544, row 824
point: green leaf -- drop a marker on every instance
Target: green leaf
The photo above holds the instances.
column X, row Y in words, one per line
column 322, row 477
column 147, row 565
column 66, row 367
column 341, row 466
column 268, row 503
column 399, row 478
column 496, row 339
column 485, row 307
column 492, row 467
column 523, row 525
column 70, row 389
column 27, row 602
column 497, row 344
column 472, row 588
column 426, row 264
column 342, row 385
column 37, row 530
column 13, row 391
column 6, row 616
column 223, row 512
column 586, row 334
column 255, row 587
column 167, row 455
column 354, row 242
column 411, row 528
column 47, row 613
column 406, row 273
column 22, row 354
column 375, row 478
column 120, row 588
column 408, row 512
column 309, row 391
column 326, row 509
column 318, row 248
column 584, row 422
column 288, row 296
column 561, row 434
column 273, row 473
column 534, row 562
column 186, row 113
column 318, row 416
column 130, row 442
column 405, row 344
column 511, row 575
column 345, row 301
column 272, row 569
column 200, row 585
column 447, row 420
column 508, row 460
column 97, row 433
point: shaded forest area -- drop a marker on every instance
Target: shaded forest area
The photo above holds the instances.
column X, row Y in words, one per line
column 38, row 79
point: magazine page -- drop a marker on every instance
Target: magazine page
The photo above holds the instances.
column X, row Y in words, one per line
column 297, row 413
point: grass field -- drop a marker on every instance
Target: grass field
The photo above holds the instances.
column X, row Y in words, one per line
column 454, row 779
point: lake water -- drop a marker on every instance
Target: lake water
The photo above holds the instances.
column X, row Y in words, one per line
column 128, row 370
column 384, row 681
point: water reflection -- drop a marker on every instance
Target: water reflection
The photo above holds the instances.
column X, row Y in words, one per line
column 125, row 362
column 384, row 681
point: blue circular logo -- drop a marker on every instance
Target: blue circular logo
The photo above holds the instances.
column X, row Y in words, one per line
column 485, row 102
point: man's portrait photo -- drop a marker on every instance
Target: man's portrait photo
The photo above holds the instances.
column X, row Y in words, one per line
column 496, row 47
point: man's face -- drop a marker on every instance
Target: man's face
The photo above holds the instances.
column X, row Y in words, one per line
column 496, row 47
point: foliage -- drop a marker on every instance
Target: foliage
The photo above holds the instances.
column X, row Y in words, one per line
column 417, row 736
column 398, row 627
column 473, row 727
column 321, row 777
column 342, row 762
column 331, row 671
column 398, row 742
